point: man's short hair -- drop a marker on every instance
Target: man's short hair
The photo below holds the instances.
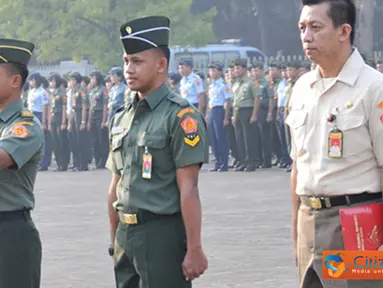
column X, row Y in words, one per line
column 18, row 69
column 341, row 12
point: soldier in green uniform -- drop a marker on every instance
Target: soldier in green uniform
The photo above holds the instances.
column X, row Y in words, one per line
column 21, row 149
column 275, row 74
column 59, row 123
column 158, row 145
column 97, row 120
column 246, row 101
column 229, row 129
column 265, row 113
column 79, row 122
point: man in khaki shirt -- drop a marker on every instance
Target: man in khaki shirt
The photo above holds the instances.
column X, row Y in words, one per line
column 341, row 97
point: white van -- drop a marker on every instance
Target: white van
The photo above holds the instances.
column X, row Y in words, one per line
column 225, row 53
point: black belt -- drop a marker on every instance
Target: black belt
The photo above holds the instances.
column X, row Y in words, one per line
column 217, row 107
column 15, row 215
column 143, row 216
column 318, row 203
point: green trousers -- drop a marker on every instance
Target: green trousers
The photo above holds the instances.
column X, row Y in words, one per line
column 20, row 254
column 150, row 255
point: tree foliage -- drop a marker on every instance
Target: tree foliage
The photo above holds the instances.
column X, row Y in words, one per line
column 89, row 29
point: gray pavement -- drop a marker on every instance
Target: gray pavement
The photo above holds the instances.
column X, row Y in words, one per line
column 246, row 230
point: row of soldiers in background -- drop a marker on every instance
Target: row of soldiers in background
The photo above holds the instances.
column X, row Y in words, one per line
column 75, row 112
column 245, row 109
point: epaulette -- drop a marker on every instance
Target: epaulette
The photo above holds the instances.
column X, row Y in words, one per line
column 178, row 100
column 26, row 113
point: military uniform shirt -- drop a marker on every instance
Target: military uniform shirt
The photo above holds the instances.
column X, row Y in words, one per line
column 116, row 96
column 78, row 97
column 173, row 132
column 37, row 98
column 190, row 87
column 21, row 137
column 96, row 98
column 219, row 92
column 129, row 95
column 59, row 99
column 245, row 91
column 357, row 93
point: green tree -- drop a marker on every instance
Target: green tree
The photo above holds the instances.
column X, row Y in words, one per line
column 89, row 29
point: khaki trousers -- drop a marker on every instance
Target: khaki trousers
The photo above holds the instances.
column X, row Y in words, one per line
column 320, row 230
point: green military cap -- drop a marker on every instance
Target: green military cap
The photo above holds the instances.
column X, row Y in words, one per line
column 75, row 75
column 15, row 51
column 294, row 64
column 274, row 64
column 258, row 65
column 230, row 66
column 241, row 62
column 145, row 33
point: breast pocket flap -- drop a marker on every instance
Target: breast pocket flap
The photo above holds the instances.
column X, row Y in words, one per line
column 152, row 141
column 349, row 122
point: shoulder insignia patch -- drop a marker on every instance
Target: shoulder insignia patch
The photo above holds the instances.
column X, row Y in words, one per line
column 20, row 131
column 227, row 89
column 83, row 94
column 380, row 105
column 185, row 111
column 271, row 85
column 256, row 84
column 189, row 125
column 198, row 82
column 26, row 114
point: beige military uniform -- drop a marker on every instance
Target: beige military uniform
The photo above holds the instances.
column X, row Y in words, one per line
column 355, row 97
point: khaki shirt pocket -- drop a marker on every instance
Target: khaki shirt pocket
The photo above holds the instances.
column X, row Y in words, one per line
column 356, row 138
column 297, row 121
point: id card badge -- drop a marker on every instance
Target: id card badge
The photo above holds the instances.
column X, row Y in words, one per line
column 335, row 144
column 146, row 164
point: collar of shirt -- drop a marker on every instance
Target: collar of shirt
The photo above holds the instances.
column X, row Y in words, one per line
column 11, row 110
column 155, row 97
column 349, row 73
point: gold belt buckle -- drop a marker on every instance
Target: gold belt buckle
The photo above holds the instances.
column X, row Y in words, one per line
column 130, row 219
column 315, row 203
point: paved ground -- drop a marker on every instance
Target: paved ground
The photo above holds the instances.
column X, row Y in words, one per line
column 246, row 232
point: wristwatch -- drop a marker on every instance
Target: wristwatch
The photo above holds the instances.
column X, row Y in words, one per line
column 111, row 250
column 83, row 122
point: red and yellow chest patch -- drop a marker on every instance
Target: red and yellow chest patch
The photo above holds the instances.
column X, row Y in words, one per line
column 20, row 131
column 189, row 125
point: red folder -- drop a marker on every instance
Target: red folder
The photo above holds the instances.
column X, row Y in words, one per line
column 362, row 227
